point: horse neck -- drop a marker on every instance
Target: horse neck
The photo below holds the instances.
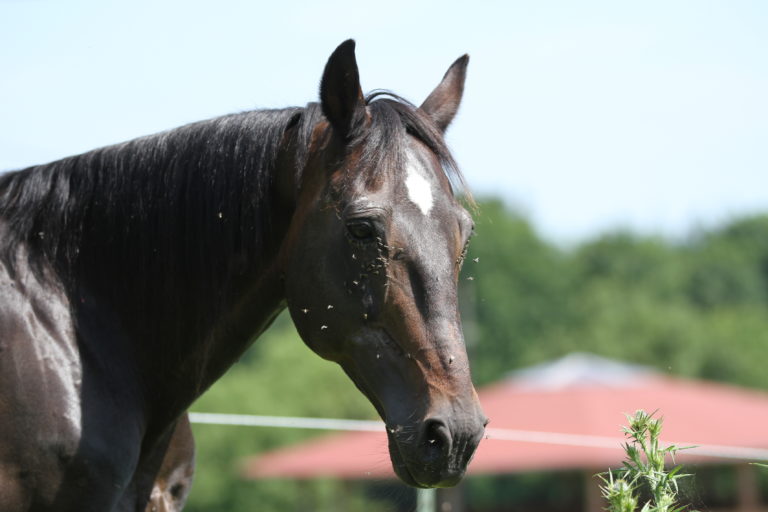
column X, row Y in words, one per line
column 189, row 266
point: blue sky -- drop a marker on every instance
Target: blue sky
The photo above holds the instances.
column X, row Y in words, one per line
column 587, row 116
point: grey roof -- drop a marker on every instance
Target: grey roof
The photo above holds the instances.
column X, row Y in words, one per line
column 580, row 369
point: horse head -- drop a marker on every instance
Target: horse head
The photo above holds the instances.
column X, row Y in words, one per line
column 372, row 260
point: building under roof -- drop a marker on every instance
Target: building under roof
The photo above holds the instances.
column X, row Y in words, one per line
column 565, row 415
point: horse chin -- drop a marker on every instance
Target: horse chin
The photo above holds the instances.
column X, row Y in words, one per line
column 400, row 466
column 427, row 478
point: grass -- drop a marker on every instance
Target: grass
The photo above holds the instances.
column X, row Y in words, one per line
column 644, row 472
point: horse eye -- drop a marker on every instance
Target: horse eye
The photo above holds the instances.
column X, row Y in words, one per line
column 361, row 230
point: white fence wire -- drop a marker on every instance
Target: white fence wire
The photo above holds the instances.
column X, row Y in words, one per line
column 504, row 434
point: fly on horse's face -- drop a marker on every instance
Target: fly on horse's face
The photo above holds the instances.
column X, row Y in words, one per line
column 372, row 265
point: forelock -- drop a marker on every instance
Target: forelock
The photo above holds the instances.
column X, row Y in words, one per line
column 385, row 141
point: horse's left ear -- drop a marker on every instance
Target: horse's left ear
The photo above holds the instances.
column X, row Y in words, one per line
column 341, row 96
column 443, row 103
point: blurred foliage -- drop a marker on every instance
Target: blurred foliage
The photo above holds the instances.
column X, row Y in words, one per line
column 527, row 492
column 696, row 307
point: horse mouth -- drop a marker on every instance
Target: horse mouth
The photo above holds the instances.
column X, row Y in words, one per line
column 424, row 453
column 400, row 466
column 422, row 475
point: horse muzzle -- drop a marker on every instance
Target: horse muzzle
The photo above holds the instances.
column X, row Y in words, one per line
column 432, row 414
column 436, row 451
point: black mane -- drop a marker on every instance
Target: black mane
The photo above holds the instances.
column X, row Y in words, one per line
column 207, row 177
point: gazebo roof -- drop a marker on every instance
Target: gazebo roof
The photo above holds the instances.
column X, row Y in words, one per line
column 566, row 414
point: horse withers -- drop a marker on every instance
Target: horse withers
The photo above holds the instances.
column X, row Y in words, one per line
column 133, row 276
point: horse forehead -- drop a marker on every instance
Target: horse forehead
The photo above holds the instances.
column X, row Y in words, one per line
column 426, row 217
column 416, row 184
column 424, row 186
column 419, row 183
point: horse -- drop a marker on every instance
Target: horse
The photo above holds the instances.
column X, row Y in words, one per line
column 132, row 276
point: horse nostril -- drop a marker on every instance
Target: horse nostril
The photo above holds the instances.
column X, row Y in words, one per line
column 436, row 439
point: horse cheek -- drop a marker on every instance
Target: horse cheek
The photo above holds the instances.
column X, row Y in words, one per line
column 314, row 300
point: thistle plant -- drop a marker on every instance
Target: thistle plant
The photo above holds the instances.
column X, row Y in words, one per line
column 644, row 469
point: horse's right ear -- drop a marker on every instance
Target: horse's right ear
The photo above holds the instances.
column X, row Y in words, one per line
column 443, row 103
column 341, row 96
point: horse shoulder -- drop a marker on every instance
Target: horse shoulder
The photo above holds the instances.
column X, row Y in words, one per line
column 67, row 442
column 40, row 379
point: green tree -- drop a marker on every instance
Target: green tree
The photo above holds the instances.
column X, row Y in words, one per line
column 730, row 265
column 515, row 290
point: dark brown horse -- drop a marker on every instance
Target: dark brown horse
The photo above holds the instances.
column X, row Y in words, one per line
column 133, row 276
